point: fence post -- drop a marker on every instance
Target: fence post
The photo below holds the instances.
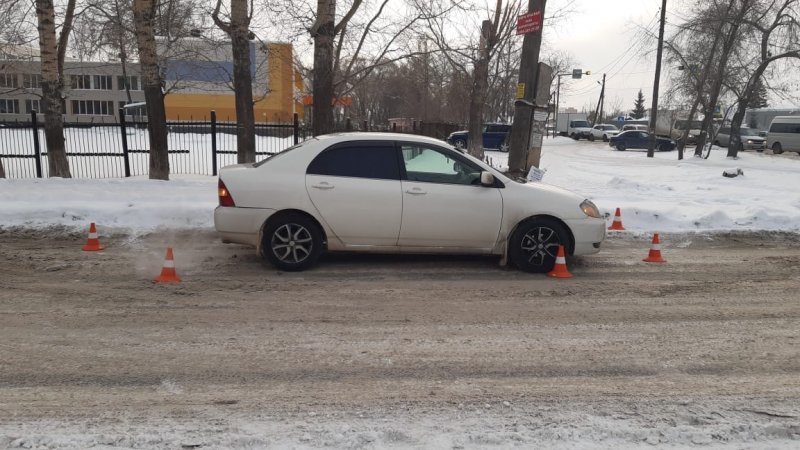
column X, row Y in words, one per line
column 124, row 130
column 364, row 126
column 213, row 143
column 37, row 151
column 348, row 125
column 296, row 128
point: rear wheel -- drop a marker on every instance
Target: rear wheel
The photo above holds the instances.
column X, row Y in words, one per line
column 621, row 147
column 460, row 144
column 777, row 148
column 534, row 245
column 292, row 242
column 591, row 137
column 664, row 148
column 503, row 147
column 605, row 138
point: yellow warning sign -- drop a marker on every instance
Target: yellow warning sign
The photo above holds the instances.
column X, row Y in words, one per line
column 520, row 90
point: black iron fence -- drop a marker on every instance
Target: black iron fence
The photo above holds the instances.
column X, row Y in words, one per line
column 113, row 150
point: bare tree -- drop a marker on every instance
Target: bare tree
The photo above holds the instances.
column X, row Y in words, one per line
column 238, row 29
column 493, row 32
column 143, row 19
column 776, row 25
column 52, row 52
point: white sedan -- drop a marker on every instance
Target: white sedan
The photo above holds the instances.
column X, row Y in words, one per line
column 603, row 131
column 397, row 193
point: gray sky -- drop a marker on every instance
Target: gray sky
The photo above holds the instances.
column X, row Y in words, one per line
column 608, row 37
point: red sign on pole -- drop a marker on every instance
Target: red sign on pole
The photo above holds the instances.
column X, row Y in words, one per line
column 529, row 22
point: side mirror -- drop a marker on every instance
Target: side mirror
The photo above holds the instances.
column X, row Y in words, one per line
column 487, row 179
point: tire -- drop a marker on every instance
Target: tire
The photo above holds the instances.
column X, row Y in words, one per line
column 503, row 147
column 298, row 235
column 664, row 148
column 534, row 244
column 460, row 144
column 621, row 147
column 605, row 138
column 591, row 138
column 777, row 148
column 574, row 136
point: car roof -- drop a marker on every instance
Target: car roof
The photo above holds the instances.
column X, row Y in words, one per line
column 379, row 136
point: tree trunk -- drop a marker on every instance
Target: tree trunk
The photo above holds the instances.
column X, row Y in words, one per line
column 727, row 47
column 143, row 12
column 480, row 86
column 323, row 33
column 242, row 82
column 2, row 171
column 123, row 54
column 52, row 89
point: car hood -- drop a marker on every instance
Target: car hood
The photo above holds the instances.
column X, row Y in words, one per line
column 564, row 194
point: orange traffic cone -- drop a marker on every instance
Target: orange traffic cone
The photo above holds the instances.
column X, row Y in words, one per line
column 560, row 269
column 92, row 244
column 655, row 252
column 168, row 274
column 617, row 224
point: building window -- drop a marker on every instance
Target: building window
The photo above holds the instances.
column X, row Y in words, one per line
column 31, row 81
column 133, row 83
column 8, row 106
column 81, row 81
column 93, row 107
column 102, row 82
column 8, row 80
column 33, row 105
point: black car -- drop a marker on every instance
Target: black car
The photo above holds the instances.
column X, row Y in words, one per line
column 639, row 139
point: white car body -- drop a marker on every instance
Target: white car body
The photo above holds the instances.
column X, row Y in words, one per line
column 395, row 215
column 604, row 131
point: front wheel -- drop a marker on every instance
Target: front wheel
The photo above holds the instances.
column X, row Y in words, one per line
column 621, row 147
column 591, row 137
column 534, row 245
column 574, row 136
column 503, row 147
column 460, row 144
column 664, row 148
column 605, row 138
column 292, row 242
column 777, row 148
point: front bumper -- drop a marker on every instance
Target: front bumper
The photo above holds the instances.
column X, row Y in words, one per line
column 589, row 234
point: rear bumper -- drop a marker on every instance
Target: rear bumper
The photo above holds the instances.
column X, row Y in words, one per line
column 240, row 225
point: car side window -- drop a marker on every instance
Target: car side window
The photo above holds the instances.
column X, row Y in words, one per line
column 430, row 165
column 358, row 160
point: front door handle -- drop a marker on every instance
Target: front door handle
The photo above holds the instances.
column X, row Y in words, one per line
column 323, row 186
column 415, row 191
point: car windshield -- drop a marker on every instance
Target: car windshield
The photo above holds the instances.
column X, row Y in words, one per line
column 748, row 132
column 580, row 124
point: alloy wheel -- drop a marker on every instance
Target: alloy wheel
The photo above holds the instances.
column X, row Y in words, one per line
column 540, row 244
column 292, row 243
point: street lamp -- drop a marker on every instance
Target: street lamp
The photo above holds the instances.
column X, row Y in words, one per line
column 576, row 73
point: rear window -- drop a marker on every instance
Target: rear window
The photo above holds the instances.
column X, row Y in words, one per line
column 294, row 147
column 359, row 160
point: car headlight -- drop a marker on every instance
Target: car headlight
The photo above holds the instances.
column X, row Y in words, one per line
column 749, row 141
column 590, row 209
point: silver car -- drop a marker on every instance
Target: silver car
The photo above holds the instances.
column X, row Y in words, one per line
column 750, row 138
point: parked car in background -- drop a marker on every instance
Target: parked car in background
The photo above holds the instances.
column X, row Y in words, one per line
column 633, row 126
column 352, row 192
column 784, row 134
column 603, row 131
column 750, row 138
column 567, row 123
column 639, row 139
column 495, row 137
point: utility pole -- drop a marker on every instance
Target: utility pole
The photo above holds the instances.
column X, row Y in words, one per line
column 602, row 98
column 651, row 147
column 520, row 136
column 599, row 109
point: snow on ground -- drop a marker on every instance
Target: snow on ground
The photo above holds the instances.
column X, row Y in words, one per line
column 655, row 194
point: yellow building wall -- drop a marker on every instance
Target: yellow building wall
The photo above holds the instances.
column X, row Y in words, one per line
column 279, row 105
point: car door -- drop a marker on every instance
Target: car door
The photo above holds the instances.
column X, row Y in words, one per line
column 356, row 188
column 444, row 204
column 489, row 137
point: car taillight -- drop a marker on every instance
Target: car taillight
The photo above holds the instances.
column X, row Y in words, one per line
column 225, row 198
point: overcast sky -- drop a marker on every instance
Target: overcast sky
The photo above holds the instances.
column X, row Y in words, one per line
column 608, row 37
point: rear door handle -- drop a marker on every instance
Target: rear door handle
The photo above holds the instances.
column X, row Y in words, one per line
column 415, row 191
column 323, row 186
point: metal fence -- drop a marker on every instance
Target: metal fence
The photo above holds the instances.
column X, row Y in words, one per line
column 115, row 150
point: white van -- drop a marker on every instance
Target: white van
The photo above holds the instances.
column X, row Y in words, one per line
column 784, row 134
